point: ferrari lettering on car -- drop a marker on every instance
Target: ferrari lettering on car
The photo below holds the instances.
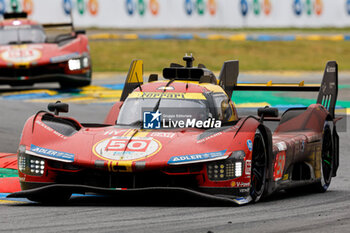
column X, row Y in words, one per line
column 167, row 95
column 209, row 137
column 162, row 134
column 242, row 160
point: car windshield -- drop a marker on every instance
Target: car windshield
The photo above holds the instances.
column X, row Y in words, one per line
column 132, row 111
column 22, row 34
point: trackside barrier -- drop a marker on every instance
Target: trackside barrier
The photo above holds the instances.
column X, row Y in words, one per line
column 232, row 37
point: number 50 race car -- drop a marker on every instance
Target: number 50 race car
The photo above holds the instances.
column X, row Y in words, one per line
column 183, row 134
column 27, row 56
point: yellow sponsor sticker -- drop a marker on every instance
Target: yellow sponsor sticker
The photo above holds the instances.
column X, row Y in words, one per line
column 167, row 95
column 120, row 166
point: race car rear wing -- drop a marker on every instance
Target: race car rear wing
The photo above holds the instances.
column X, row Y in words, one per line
column 55, row 25
column 15, row 15
column 133, row 79
column 72, row 34
column 327, row 91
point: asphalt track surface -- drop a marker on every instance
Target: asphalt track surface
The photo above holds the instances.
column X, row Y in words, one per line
column 282, row 212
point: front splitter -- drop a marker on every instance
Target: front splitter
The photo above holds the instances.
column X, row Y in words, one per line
column 144, row 193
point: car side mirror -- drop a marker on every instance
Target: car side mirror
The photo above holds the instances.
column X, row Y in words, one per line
column 267, row 112
column 58, row 107
column 153, row 78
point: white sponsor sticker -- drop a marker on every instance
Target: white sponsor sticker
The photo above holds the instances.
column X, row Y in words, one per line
column 330, row 69
column 281, row 146
column 114, row 132
column 163, row 135
column 248, row 167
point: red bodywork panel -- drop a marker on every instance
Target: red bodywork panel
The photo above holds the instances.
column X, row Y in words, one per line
column 153, row 149
column 9, row 184
column 113, row 114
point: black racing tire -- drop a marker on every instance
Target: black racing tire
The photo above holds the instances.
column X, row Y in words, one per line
column 258, row 168
column 74, row 84
column 22, row 85
column 50, row 197
column 327, row 156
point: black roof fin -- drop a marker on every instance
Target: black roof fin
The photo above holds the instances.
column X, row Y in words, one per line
column 15, row 15
column 228, row 76
column 189, row 60
column 328, row 93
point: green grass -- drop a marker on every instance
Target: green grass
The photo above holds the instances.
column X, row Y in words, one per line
column 253, row 56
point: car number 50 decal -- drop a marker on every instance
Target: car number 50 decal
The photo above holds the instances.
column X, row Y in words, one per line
column 279, row 165
column 124, row 149
column 17, row 54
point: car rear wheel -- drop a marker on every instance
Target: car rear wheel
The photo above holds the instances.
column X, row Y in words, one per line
column 74, row 84
column 258, row 170
column 22, row 85
column 326, row 161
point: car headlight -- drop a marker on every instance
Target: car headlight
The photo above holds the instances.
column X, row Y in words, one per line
column 29, row 164
column 78, row 63
column 74, row 64
column 226, row 169
column 85, row 62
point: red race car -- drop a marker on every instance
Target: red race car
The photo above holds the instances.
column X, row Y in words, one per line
column 28, row 56
column 183, row 134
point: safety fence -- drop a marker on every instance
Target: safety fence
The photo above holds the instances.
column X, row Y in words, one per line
column 188, row 13
column 232, row 37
